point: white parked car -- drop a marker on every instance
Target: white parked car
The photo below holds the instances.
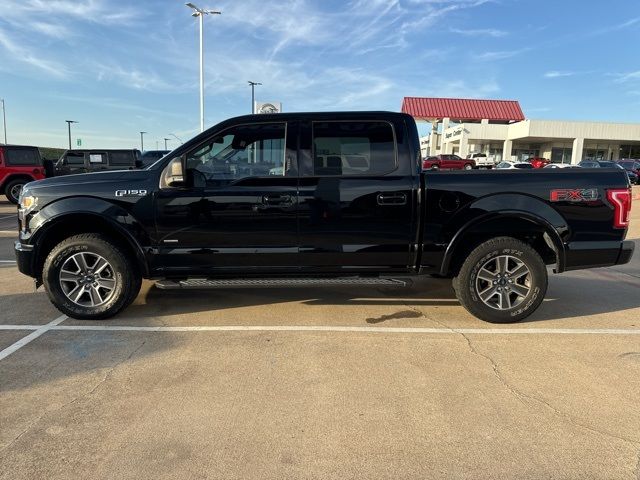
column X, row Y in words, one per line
column 561, row 165
column 514, row 166
column 483, row 160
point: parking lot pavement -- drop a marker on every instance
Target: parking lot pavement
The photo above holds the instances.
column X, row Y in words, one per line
column 420, row 389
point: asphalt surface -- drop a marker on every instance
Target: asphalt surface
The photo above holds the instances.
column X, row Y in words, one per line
column 322, row 383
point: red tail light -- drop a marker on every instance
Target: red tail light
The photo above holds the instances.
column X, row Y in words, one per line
column 620, row 198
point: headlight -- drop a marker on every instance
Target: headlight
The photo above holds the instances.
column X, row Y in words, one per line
column 28, row 203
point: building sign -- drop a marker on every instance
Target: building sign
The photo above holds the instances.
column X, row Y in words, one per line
column 268, row 107
column 457, row 132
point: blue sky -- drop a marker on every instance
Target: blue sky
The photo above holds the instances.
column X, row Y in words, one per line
column 119, row 67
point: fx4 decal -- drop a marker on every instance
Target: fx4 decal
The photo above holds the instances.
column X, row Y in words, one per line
column 131, row 193
column 574, row 195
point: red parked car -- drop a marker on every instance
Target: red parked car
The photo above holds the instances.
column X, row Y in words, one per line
column 538, row 162
column 447, row 162
column 18, row 166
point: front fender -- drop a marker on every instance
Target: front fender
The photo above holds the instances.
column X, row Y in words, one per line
column 77, row 209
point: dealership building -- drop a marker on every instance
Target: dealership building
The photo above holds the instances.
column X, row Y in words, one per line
column 499, row 129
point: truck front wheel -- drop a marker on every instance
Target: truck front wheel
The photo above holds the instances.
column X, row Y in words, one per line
column 503, row 280
column 88, row 277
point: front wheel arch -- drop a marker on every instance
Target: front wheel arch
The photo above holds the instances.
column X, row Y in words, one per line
column 57, row 229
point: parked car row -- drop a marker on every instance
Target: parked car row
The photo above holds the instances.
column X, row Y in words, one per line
column 480, row 160
column 21, row 164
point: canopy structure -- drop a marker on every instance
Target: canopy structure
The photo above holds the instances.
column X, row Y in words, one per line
column 462, row 110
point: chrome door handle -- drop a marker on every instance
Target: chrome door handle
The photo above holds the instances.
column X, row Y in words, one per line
column 392, row 199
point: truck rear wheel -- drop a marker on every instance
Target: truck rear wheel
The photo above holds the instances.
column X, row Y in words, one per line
column 503, row 280
column 87, row 277
column 13, row 189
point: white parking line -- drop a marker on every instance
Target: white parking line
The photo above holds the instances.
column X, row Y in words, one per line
column 32, row 336
column 322, row 328
column 7, row 261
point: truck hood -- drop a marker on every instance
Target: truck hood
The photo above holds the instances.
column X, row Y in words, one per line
column 92, row 178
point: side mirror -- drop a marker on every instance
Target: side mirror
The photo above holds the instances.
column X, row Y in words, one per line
column 173, row 175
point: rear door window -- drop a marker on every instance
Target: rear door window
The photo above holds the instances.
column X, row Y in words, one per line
column 98, row 158
column 353, row 148
column 74, row 158
column 122, row 159
column 22, row 156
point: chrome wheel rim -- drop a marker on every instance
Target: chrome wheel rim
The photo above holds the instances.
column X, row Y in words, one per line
column 503, row 282
column 468, row 167
column 16, row 190
column 87, row 279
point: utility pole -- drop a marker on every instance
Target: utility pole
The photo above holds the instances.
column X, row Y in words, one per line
column 253, row 95
column 69, row 122
column 165, row 143
column 142, row 141
column 4, row 121
column 200, row 13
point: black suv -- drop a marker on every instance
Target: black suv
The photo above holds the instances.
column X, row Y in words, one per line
column 87, row 161
column 150, row 156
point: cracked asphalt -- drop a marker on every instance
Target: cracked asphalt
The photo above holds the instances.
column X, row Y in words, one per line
column 179, row 397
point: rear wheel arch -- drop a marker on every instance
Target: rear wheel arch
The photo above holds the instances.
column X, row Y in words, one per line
column 58, row 229
column 534, row 231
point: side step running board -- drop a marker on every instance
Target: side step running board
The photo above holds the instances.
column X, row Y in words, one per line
column 203, row 283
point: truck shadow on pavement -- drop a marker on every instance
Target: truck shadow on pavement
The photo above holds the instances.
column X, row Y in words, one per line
column 568, row 297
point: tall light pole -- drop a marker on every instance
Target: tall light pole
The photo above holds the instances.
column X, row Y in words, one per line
column 69, row 122
column 253, row 95
column 142, row 141
column 4, row 121
column 165, row 142
column 200, row 13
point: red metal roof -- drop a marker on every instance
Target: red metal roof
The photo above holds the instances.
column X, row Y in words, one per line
column 462, row 109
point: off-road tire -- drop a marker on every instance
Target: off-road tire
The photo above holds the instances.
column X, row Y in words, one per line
column 465, row 284
column 10, row 186
column 127, row 277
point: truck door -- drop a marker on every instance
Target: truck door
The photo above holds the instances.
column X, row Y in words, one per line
column 356, row 198
column 238, row 209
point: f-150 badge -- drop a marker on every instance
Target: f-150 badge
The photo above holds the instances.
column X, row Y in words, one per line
column 131, row 193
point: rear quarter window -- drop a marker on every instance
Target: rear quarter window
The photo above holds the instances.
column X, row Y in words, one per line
column 22, row 157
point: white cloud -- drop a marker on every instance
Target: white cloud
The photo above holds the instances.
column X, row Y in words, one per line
column 480, row 32
column 627, row 77
column 558, row 74
column 24, row 55
column 500, row 55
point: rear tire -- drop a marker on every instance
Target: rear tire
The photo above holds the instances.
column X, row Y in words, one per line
column 89, row 278
column 13, row 189
column 503, row 280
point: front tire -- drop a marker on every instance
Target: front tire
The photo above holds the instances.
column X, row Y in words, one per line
column 503, row 280
column 89, row 278
column 13, row 189
column 468, row 166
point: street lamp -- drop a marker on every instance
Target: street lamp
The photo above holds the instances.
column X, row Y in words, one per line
column 253, row 95
column 4, row 121
column 177, row 138
column 200, row 13
column 165, row 142
column 69, row 122
column 142, row 141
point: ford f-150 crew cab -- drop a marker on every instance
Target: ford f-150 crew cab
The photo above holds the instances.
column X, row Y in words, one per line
column 316, row 199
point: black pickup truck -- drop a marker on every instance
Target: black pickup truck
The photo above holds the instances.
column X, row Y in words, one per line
column 310, row 199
